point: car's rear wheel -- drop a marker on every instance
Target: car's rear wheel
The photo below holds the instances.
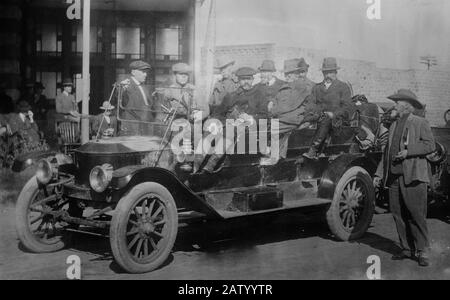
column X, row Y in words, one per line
column 38, row 227
column 352, row 208
column 144, row 228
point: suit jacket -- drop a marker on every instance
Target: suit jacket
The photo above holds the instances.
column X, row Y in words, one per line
column 221, row 89
column 271, row 91
column 419, row 143
column 337, row 99
column 135, row 105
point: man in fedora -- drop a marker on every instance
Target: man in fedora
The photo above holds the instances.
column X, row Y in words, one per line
column 66, row 104
column 104, row 124
column 404, row 169
column 226, row 84
column 270, row 84
column 288, row 104
column 137, row 101
column 330, row 101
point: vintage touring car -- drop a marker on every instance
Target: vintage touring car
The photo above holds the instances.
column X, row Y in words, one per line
column 137, row 190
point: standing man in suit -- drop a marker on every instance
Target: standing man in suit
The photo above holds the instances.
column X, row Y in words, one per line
column 404, row 169
column 330, row 103
column 66, row 104
column 137, row 102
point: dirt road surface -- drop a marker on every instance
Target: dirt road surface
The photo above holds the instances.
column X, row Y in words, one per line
column 291, row 247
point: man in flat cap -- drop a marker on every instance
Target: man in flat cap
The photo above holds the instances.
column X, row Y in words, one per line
column 404, row 169
column 330, row 103
column 137, row 102
column 66, row 104
column 246, row 104
column 225, row 85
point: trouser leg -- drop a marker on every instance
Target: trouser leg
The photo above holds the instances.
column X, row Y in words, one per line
column 415, row 197
column 399, row 213
column 322, row 132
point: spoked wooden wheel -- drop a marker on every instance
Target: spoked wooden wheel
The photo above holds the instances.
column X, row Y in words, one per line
column 37, row 218
column 144, row 228
column 351, row 211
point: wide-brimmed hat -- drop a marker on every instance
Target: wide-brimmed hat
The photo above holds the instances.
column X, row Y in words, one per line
column 181, row 68
column 223, row 62
column 330, row 64
column 23, row 106
column 291, row 65
column 245, row 72
column 140, row 65
column 107, row 106
column 408, row 96
column 267, row 66
column 67, row 82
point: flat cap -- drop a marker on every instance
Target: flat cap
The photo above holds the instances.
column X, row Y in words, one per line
column 181, row 68
column 245, row 72
column 140, row 65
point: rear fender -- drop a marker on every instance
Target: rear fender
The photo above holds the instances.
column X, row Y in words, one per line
column 126, row 178
column 338, row 167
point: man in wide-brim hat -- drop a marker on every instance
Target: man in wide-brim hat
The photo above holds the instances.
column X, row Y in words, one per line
column 330, row 101
column 405, row 170
column 225, row 84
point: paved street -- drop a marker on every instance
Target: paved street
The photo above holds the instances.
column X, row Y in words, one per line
column 291, row 247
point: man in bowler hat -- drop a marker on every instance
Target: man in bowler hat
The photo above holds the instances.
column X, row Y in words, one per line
column 404, row 169
column 330, row 102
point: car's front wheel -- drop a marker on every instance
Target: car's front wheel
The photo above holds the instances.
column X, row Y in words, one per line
column 352, row 208
column 144, row 228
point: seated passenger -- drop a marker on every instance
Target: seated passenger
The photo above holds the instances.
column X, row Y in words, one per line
column 247, row 104
column 104, row 124
column 329, row 104
column 288, row 105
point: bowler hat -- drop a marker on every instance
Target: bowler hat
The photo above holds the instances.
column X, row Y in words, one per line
column 140, row 65
column 245, row 72
column 267, row 66
column 223, row 62
column 67, row 82
column 408, row 96
column 291, row 65
column 23, row 106
column 181, row 68
column 330, row 64
column 303, row 66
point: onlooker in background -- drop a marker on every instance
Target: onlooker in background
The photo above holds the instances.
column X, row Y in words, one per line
column 66, row 104
column 227, row 84
column 6, row 102
column 39, row 102
column 404, row 169
column 23, row 124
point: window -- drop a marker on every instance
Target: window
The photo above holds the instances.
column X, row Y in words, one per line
column 49, row 39
column 96, row 35
column 128, row 42
column 49, row 80
column 168, row 45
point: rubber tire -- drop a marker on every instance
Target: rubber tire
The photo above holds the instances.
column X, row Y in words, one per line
column 24, row 233
column 333, row 218
column 117, row 231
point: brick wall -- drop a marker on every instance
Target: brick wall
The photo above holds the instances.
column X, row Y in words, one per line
column 432, row 87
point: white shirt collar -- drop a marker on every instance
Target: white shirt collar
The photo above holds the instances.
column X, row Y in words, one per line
column 65, row 93
column 135, row 80
column 272, row 81
column 22, row 116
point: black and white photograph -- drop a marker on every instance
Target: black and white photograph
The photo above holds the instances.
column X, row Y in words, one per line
column 224, row 140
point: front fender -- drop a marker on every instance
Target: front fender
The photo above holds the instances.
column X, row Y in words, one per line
column 24, row 161
column 339, row 166
column 125, row 179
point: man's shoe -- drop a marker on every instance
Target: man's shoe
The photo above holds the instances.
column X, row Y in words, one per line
column 405, row 254
column 311, row 154
column 423, row 260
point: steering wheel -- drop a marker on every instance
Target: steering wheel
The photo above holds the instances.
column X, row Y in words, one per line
column 447, row 116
